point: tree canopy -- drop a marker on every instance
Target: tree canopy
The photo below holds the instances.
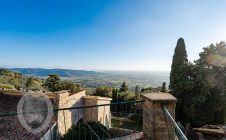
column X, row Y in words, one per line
column 123, row 87
column 163, row 88
column 137, row 93
column 103, row 91
column 211, row 84
column 82, row 130
column 114, row 95
column 178, row 76
column 19, row 81
column 53, row 83
column 199, row 86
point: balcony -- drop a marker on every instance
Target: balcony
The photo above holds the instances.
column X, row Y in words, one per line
column 98, row 118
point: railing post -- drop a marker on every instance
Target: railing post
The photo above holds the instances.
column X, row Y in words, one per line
column 154, row 123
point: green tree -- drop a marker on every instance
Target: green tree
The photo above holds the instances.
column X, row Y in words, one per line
column 6, row 86
column 122, row 96
column 211, row 77
column 142, row 90
column 69, row 85
column 200, row 87
column 52, row 83
column 84, row 130
column 103, row 91
column 179, row 64
column 123, row 87
column 114, row 95
column 29, row 82
column 5, row 72
column 17, row 82
column 137, row 93
column 150, row 89
column 179, row 77
column 163, row 88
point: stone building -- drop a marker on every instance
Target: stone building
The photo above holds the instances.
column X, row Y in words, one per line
column 98, row 114
column 62, row 120
column 66, row 118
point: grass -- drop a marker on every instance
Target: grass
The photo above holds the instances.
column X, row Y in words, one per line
column 132, row 125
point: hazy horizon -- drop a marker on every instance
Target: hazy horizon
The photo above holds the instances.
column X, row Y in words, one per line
column 97, row 70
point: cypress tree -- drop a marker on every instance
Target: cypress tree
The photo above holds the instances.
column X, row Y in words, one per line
column 137, row 95
column 179, row 78
column 163, row 88
column 142, row 90
column 115, row 95
column 124, row 87
column 177, row 74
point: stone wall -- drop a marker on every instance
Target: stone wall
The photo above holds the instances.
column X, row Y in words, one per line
column 100, row 114
column 104, row 113
column 155, row 126
column 66, row 118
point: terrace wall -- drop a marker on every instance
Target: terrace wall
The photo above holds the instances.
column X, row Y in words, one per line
column 67, row 118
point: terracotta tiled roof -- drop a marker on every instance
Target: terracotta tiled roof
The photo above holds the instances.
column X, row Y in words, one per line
column 10, row 127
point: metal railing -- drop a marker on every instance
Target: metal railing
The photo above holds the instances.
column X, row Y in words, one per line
column 121, row 120
column 172, row 125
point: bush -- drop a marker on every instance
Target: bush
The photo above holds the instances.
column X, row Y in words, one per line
column 137, row 118
column 6, row 86
column 82, row 131
column 103, row 91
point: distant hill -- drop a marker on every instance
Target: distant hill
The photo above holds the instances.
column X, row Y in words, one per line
column 92, row 79
column 60, row 72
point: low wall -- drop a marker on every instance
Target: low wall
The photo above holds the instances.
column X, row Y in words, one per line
column 67, row 118
column 101, row 114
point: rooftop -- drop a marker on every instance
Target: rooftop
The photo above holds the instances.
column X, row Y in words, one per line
column 19, row 94
column 8, row 103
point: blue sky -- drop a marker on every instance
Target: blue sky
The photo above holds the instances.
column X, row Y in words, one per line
column 106, row 34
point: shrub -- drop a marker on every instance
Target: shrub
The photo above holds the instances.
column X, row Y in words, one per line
column 82, row 131
column 137, row 118
column 6, row 86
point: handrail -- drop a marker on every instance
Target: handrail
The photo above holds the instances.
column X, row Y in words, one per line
column 69, row 108
column 94, row 130
column 181, row 134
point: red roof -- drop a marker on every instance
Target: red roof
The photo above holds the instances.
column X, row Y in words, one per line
column 10, row 127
